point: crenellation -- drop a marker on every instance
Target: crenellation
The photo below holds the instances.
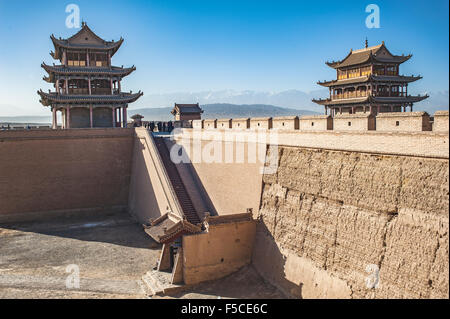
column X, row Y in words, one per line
column 383, row 122
column 441, row 121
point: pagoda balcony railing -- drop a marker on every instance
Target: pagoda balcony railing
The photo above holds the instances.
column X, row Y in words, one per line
column 392, row 94
column 85, row 91
column 349, row 95
column 357, row 94
column 101, row 91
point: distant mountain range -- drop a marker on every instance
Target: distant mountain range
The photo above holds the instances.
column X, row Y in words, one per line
column 223, row 110
column 31, row 120
column 163, row 113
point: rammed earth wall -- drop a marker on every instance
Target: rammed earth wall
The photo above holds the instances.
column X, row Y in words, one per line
column 326, row 215
column 64, row 170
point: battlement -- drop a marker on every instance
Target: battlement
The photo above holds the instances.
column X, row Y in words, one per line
column 383, row 122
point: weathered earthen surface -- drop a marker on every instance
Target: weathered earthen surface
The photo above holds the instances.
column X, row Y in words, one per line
column 326, row 215
column 58, row 170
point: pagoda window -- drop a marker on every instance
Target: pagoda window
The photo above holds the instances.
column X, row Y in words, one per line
column 353, row 73
column 342, row 74
column 367, row 70
column 391, row 70
column 101, row 87
column 76, row 59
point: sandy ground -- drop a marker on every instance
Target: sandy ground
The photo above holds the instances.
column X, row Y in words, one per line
column 111, row 251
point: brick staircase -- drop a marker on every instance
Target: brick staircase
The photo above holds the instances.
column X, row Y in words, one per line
column 180, row 190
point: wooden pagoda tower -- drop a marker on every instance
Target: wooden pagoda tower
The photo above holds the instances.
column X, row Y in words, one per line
column 368, row 80
column 88, row 90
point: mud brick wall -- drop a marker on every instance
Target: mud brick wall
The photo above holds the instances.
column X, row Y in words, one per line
column 42, row 171
column 326, row 215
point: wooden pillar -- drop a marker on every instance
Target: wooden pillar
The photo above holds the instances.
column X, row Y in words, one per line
column 89, row 84
column 68, row 117
column 125, row 120
column 55, row 119
column 112, row 87
column 114, row 117
column 87, row 57
column 64, row 58
column 378, row 109
column 119, row 119
column 67, row 86
column 392, row 108
column 120, row 87
column 411, row 107
column 370, row 109
column 406, row 90
column 91, row 116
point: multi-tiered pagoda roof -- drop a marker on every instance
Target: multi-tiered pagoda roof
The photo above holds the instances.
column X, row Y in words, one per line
column 368, row 80
column 86, row 83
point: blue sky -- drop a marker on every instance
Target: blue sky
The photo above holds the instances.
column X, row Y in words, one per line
column 197, row 45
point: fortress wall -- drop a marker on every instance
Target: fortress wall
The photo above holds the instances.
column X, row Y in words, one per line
column 354, row 122
column 221, row 178
column 285, row 123
column 258, row 123
column 328, row 215
column 209, row 124
column 400, row 121
column 46, row 171
column 441, row 121
column 197, row 124
column 361, row 121
column 316, row 123
column 341, row 201
column 224, row 123
column 224, row 249
column 150, row 194
column 240, row 123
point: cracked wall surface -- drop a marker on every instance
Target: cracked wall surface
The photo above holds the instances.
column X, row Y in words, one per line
column 325, row 216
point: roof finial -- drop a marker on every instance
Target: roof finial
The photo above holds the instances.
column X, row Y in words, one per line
column 367, row 43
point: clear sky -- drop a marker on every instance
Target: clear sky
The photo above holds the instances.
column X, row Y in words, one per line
column 199, row 45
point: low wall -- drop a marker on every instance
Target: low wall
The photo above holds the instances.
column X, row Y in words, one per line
column 224, row 249
column 64, row 170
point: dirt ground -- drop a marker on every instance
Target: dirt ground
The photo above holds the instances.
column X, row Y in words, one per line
column 111, row 252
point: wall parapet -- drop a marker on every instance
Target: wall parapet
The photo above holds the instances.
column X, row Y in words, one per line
column 383, row 122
